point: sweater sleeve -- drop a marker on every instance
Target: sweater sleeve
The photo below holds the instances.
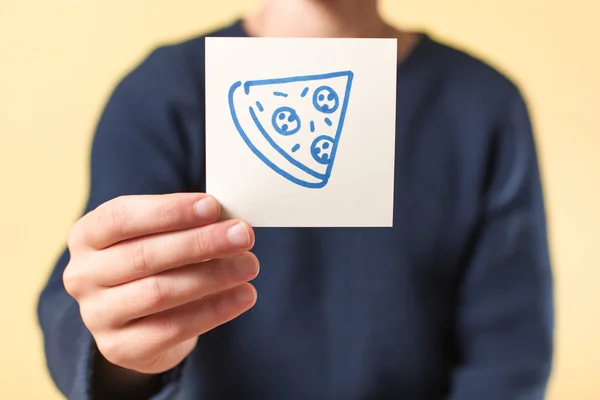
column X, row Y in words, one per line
column 505, row 320
column 138, row 148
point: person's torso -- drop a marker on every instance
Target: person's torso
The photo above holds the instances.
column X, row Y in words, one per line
column 366, row 313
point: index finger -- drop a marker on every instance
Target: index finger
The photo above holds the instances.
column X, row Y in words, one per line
column 128, row 217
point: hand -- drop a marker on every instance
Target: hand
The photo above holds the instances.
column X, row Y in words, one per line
column 152, row 273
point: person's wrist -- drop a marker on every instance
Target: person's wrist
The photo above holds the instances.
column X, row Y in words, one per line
column 109, row 381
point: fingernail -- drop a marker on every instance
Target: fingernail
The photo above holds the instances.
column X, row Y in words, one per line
column 246, row 264
column 245, row 294
column 205, row 207
column 238, row 235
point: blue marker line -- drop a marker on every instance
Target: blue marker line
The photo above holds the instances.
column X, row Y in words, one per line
column 312, row 126
column 280, row 94
column 304, row 92
column 248, row 84
column 283, row 152
column 295, row 148
column 342, row 119
column 260, row 107
column 327, row 121
column 247, row 140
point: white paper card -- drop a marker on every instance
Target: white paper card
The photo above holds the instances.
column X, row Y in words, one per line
column 301, row 132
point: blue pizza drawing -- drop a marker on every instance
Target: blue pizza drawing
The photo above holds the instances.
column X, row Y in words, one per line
column 293, row 124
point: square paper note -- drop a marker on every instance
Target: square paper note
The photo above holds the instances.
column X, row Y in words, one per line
column 300, row 132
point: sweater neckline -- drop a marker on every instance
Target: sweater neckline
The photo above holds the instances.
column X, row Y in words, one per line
column 237, row 29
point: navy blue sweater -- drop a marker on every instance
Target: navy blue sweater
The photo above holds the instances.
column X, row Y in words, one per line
column 454, row 302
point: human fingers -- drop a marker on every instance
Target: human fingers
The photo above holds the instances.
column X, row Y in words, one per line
column 118, row 305
column 146, row 256
column 128, row 217
column 149, row 345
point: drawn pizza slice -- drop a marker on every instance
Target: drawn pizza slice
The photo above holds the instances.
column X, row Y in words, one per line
column 293, row 124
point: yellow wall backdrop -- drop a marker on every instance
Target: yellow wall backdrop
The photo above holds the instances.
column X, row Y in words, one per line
column 60, row 59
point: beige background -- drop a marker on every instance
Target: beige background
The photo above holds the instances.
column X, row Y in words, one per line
column 59, row 59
